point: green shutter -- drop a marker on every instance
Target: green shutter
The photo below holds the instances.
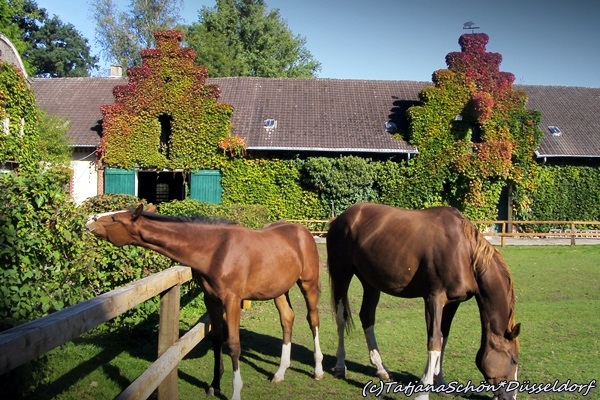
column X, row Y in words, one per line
column 119, row 181
column 205, row 186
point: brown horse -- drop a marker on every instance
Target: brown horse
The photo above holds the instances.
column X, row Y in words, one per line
column 436, row 254
column 232, row 263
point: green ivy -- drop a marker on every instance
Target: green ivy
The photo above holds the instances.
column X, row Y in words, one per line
column 17, row 104
column 168, row 87
column 474, row 134
column 564, row 193
column 272, row 183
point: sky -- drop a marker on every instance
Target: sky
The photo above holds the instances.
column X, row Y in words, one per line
column 542, row 42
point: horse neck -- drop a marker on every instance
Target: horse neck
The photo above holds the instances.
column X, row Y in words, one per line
column 176, row 240
column 495, row 298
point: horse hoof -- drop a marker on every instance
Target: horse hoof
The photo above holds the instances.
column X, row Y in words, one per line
column 210, row 391
column 319, row 376
column 276, row 379
column 339, row 373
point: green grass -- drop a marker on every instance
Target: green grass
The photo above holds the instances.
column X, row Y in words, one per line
column 558, row 303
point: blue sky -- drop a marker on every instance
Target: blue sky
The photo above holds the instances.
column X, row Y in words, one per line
column 543, row 42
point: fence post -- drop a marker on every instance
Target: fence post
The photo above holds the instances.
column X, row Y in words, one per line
column 503, row 238
column 572, row 234
column 168, row 333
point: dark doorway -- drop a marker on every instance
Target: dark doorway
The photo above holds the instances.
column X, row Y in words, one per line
column 160, row 187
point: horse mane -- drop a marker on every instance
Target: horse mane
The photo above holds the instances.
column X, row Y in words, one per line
column 484, row 254
column 196, row 219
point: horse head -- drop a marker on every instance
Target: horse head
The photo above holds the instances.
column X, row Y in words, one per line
column 498, row 360
column 117, row 227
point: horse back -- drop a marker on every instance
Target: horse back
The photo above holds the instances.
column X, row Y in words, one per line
column 402, row 252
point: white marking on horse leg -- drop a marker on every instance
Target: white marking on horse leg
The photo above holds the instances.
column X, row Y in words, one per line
column 286, row 349
column 340, row 365
column 438, row 378
column 318, row 357
column 432, row 368
column 374, row 355
column 237, row 385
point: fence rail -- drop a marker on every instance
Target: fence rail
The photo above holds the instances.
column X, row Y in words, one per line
column 506, row 228
column 28, row 341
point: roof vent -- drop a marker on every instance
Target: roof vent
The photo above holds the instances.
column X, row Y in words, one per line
column 554, row 130
column 270, row 124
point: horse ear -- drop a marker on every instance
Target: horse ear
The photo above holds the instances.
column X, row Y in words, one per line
column 137, row 212
column 512, row 334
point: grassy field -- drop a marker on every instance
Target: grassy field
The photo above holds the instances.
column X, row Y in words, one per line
column 558, row 303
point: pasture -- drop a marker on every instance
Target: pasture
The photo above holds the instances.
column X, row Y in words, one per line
column 558, row 303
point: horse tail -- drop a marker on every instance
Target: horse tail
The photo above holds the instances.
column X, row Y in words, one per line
column 340, row 272
column 346, row 311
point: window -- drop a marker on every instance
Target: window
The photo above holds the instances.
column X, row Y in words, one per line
column 270, row 123
column 165, row 133
column 554, row 130
column 391, row 127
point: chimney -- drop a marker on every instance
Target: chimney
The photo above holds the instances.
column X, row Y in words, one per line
column 116, row 71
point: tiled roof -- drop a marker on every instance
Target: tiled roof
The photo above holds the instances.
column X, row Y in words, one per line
column 575, row 111
column 337, row 115
column 319, row 114
column 78, row 99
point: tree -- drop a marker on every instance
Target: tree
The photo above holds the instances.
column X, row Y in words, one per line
column 474, row 133
column 11, row 30
column 49, row 47
column 122, row 35
column 54, row 143
column 242, row 38
column 59, row 50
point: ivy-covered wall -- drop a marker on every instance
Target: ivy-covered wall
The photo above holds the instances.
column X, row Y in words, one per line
column 166, row 116
column 474, row 133
column 19, row 119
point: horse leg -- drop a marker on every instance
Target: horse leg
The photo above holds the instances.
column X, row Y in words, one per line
column 340, row 278
column 215, row 312
column 433, row 319
column 310, row 290
column 286, row 317
column 367, row 318
column 233, row 311
column 447, row 317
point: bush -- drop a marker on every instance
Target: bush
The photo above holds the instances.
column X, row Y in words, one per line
column 252, row 216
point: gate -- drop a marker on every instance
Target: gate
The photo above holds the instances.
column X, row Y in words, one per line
column 205, row 186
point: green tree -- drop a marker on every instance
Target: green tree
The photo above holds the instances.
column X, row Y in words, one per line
column 8, row 27
column 243, row 38
column 54, row 143
column 122, row 35
column 52, row 48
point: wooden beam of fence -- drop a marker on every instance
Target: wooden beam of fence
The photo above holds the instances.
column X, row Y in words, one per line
column 28, row 341
column 150, row 379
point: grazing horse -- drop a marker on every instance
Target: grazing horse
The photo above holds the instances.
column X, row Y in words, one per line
column 232, row 263
column 436, row 254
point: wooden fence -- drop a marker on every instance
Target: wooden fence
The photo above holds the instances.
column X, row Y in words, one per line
column 26, row 342
column 505, row 228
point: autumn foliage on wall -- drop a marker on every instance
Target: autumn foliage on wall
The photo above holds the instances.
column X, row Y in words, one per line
column 473, row 131
column 166, row 116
